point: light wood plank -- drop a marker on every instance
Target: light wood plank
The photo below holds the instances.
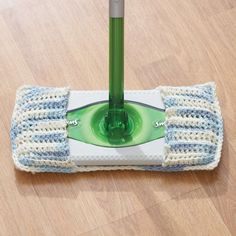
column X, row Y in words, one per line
column 189, row 214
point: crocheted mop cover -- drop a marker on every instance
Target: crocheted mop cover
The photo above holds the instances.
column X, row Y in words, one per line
column 194, row 130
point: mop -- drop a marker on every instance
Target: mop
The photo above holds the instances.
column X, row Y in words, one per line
column 163, row 129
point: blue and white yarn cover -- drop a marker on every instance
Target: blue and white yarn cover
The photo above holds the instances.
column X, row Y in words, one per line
column 194, row 130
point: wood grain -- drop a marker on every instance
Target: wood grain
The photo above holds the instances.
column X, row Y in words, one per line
column 64, row 43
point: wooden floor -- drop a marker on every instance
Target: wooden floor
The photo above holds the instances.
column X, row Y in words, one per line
column 64, row 43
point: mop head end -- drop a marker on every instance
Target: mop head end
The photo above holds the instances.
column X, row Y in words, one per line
column 45, row 139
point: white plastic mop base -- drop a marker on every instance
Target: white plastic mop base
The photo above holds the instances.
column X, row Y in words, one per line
column 151, row 153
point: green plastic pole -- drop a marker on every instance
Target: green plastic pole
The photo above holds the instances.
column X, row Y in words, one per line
column 116, row 64
column 117, row 118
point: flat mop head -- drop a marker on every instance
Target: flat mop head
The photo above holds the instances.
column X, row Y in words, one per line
column 53, row 130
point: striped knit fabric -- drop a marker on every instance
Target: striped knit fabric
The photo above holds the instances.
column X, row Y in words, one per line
column 194, row 131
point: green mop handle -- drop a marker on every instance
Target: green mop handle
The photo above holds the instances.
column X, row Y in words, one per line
column 116, row 54
column 117, row 119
